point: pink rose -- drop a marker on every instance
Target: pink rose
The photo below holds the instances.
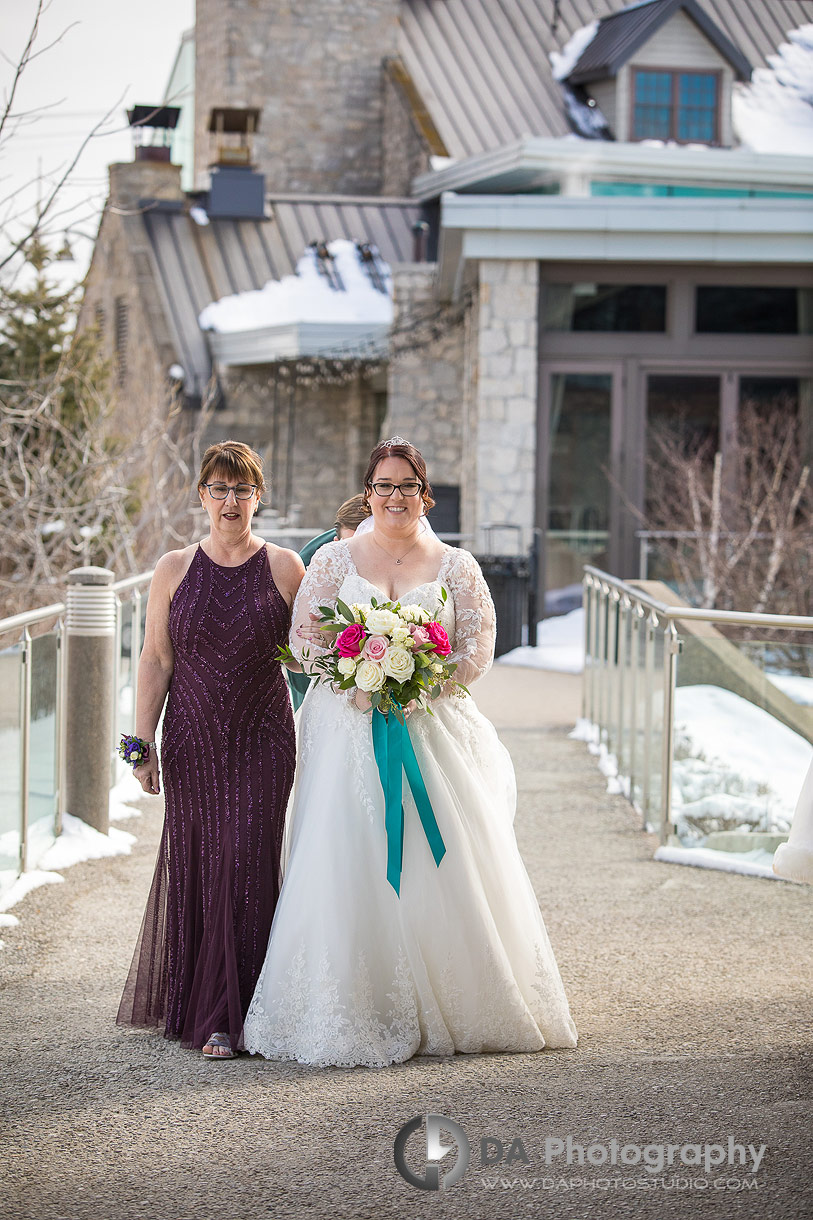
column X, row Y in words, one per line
column 420, row 638
column 348, row 642
column 438, row 638
column 375, row 648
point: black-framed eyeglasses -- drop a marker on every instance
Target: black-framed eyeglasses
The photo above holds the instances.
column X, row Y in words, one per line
column 410, row 488
column 220, row 491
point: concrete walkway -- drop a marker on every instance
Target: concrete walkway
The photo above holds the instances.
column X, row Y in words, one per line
column 692, row 992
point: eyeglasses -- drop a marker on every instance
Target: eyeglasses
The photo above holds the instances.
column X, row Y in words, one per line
column 410, row 488
column 220, row 491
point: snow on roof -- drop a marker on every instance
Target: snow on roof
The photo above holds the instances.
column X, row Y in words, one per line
column 563, row 62
column 774, row 113
column 308, row 296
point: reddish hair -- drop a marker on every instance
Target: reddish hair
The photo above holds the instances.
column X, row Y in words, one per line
column 411, row 455
column 232, row 460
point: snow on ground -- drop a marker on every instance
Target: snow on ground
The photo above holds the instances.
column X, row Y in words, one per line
column 751, row 863
column 307, row 297
column 774, row 112
column 79, row 842
column 734, row 761
column 25, row 884
column 795, row 686
column 560, row 645
column 563, row 62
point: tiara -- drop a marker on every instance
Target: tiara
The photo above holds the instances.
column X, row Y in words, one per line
column 395, row 440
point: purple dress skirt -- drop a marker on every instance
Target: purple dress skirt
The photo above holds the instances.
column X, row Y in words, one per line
column 227, row 758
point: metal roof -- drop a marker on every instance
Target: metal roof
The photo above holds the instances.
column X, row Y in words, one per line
column 196, row 264
column 620, row 35
column 483, row 71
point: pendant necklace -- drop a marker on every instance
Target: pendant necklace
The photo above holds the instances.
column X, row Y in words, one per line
column 386, row 552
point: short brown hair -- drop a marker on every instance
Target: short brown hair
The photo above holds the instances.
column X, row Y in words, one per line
column 401, row 449
column 351, row 514
column 233, row 460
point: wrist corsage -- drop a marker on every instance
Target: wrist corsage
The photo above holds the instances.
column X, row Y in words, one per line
column 134, row 750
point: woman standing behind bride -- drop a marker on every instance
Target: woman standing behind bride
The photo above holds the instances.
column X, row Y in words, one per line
column 460, row 961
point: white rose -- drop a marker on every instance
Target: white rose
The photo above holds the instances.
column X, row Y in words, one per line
column 347, row 666
column 381, row 622
column 399, row 636
column 370, row 676
column 415, row 614
column 436, row 667
column 398, row 664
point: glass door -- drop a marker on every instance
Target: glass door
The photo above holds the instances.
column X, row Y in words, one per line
column 577, row 460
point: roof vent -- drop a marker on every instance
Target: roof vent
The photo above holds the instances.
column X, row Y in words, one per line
column 237, row 191
column 160, row 122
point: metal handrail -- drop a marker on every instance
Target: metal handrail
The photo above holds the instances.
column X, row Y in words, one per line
column 614, row 609
column 27, row 617
column 20, row 624
column 685, row 613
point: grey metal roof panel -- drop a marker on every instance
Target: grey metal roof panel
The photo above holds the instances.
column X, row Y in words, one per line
column 196, row 264
column 621, row 34
column 483, row 71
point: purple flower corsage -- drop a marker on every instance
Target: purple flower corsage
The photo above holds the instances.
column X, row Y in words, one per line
column 134, row 750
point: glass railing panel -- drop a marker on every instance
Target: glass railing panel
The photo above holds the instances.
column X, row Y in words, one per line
column 743, row 734
column 10, row 761
column 42, row 765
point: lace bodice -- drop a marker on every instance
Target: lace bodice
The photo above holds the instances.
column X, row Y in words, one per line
column 467, row 616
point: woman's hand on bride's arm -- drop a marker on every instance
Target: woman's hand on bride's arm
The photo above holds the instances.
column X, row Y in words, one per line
column 312, row 633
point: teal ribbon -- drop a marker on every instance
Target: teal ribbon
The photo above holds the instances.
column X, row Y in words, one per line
column 393, row 753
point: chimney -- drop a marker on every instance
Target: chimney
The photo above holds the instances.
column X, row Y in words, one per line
column 236, row 190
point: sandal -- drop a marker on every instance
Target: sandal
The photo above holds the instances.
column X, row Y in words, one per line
column 219, row 1040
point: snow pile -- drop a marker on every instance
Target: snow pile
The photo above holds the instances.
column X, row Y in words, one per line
column 307, row 296
column 735, row 765
column 124, row 792
column 563, row 62
column 559, row 646
column 25, row 884
column 774, row 113
column 79, row 842
column 752, row 863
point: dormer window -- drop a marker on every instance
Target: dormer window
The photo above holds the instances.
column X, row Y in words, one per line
column 680, row 106
column 659, row 70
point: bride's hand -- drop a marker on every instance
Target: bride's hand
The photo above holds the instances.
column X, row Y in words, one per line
column 362, row 700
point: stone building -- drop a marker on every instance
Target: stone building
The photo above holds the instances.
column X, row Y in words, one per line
column 586, row 225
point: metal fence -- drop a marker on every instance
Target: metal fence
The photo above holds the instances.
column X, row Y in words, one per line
column 694, row 720
column 33, row 717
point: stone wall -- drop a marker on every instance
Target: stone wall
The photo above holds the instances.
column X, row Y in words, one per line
column 120, row 282
column 501, row 393
column 425, row 386
column 315, row 69
column 316, row 440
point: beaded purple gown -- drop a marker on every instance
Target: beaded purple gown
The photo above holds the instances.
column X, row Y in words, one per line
column 227, row 759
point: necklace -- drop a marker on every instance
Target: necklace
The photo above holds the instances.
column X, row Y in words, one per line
column 386, row 552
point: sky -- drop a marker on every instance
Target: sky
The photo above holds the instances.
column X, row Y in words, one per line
column 110, row 56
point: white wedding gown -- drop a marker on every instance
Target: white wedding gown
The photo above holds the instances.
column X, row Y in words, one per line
column 461, row 961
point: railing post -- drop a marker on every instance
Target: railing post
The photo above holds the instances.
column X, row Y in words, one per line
column 25, row 745
column 90, row 633
column 671, row 648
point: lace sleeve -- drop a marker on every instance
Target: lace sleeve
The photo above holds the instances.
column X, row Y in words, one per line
column 475, row 620
column 320, row 587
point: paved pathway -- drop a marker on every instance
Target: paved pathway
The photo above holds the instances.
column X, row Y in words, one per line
column 692, row 992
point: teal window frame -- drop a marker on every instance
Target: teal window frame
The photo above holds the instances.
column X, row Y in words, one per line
column 673, row 107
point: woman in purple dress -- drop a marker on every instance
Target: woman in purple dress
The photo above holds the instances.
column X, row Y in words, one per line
column 217, row 612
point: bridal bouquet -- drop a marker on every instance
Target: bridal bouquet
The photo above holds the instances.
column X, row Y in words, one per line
column 392, row 652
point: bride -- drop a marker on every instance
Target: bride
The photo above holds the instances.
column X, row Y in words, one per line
column 459, row 961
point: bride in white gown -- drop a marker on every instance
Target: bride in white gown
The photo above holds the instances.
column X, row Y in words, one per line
column 460, row 961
